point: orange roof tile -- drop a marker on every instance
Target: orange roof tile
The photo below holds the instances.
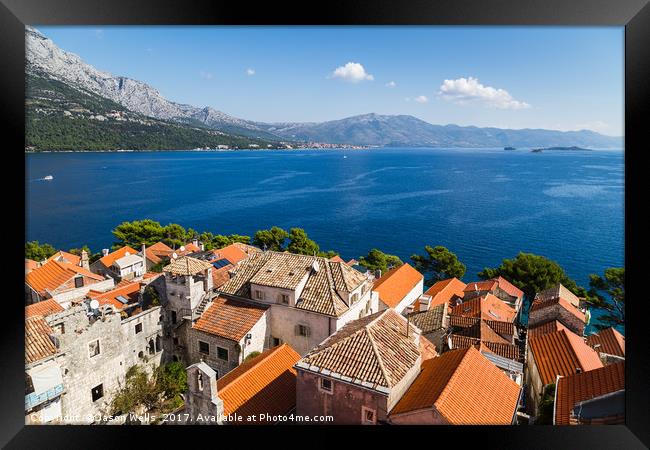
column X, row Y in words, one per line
column 129, row 290
column 395, row 284
column 109, row 259
column 265, row 384
column 232, row 253
column 579, row 387
column 157, row 252
column 66, row 257
column 221, row 276
column 608, row 341
column 191, row 248
column 44, row 308
column 487, row 307
column 427, row 349
column 444, row 291
column 545, row 328
column 30, row 265
column 229, row 318
column 485, row 285
column 562, row 353
column 508, row 287
column 53, row 274
column 337, row 258
column 38, row 344
column 448, row 384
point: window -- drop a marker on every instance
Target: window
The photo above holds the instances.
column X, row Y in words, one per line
column 93, row 348
column 60, row 328
column 222, row 353
column 367, row 415
column 259, row 295
column 326, row 385
column 284, row 298
column 151, row 347
column 276, row 341
column 204, row 347
column 173, row 316
column 97, row 392
column 138, row 328
column 355, row 298
column 302, row 330
column 78, row 282
column 199, row 380
column 175, row 341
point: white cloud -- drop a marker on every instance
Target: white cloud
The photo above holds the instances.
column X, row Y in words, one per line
column 206, row 75
column 352, row 72
column 421, row 99
column 391, row 84
column 99, row 33
column 250, row 72
column 466, row 90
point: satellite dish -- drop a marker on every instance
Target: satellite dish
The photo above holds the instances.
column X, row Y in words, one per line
column 182, row 248
column 126, row 253
column 94, row 304
column 174, row 255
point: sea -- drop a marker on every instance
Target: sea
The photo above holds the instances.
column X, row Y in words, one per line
column 483, row 204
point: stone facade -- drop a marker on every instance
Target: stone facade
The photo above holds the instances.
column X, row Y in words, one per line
column 559, row 313
column 202, row 400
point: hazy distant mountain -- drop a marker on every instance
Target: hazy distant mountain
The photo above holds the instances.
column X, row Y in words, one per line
column 45, row 60
column 374, row 129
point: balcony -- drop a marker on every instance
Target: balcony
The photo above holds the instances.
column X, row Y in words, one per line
column 33, row 399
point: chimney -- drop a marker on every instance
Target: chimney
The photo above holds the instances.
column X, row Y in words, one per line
column 195, row 242
column 202, row 246
column 104, row 251
column 378, row 273
column 84, row 260
column 144, row 249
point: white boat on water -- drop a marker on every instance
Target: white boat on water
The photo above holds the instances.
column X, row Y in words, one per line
column 48, row 177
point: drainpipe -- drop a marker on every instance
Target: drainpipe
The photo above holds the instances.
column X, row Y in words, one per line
column 557, row 379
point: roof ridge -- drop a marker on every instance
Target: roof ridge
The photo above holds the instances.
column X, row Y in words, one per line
column 248, row 369
column 376, row 352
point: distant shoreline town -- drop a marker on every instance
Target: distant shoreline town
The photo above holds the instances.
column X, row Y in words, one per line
column 175, row 327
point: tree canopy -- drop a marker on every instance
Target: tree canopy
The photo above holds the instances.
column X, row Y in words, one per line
column 300, row 243
column 271, row 239
column 607, row 294
column 438, row 263
column 532, row 273
column 38, row 252
column 378, row 260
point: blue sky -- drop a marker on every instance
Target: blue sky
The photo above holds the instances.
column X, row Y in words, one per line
column 564, row 78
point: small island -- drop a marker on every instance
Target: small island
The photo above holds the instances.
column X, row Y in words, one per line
column 572, row 148
column 509, row 148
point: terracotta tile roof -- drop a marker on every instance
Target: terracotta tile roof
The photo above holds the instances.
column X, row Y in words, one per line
column 158, row 251
column 427, row 349
column 487, row 306
column 221, row 276
column 53, row 274
column 186, row 265
column 508, row 287
column 448, row 384
column 552, row 302
column 489, row 335
column 130, row 290
column 336, row 258
column 30, row 265
column 265, row 384
column 579, row 387
column 229, row 318
column 485, row 285
column 109, row 259
column 429, row 320
column 562, row 353
column 395, row 284
column 38, row 344
column 545, row 328
column 287, row 270
column 373, row 351
column 190, row 248
column 44, row 308
column 506, row 350
column 235, row 252
column 444, row 291
column 611, row 342
column 558, row 291
column 66, row 257
column 151, row 275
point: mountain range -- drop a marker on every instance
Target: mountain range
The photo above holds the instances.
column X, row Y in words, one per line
column 55, row 70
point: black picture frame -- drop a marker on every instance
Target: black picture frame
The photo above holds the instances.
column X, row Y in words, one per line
column 634, row 15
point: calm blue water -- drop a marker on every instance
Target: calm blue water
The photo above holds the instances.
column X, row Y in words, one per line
column 484, row 205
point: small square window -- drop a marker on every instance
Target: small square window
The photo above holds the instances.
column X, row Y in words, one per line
column 138, row 328
column 259, row 295
column 284, row 298
column 173, row 316
column 79, row 282
column 368, row 415
column 302, row 330
column 222, row 353
column 204, row 347
column 276, row 341
column 326, row 384
column 93, row 348
column 97, row 392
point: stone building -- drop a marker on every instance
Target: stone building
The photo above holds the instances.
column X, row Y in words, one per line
column 446, row 292
column 399, row 287
column 556, row 309
column 106, row 264
column 433, row 323
column 226, row 333
column 609, row 343
column 309, row 297
column 446, row 392
column 359, row 373
column 262, row 390
column 500, row 288
column 560, row 353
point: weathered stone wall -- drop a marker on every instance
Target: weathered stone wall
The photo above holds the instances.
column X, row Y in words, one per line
column 344, row 403
column 428, row 416
column 202, row 400
column 556, row 312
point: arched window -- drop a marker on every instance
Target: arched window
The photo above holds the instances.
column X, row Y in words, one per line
column 158, row 344
column 151, row 347
column 141, row 355
column 355, row 298
column 199, row 380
